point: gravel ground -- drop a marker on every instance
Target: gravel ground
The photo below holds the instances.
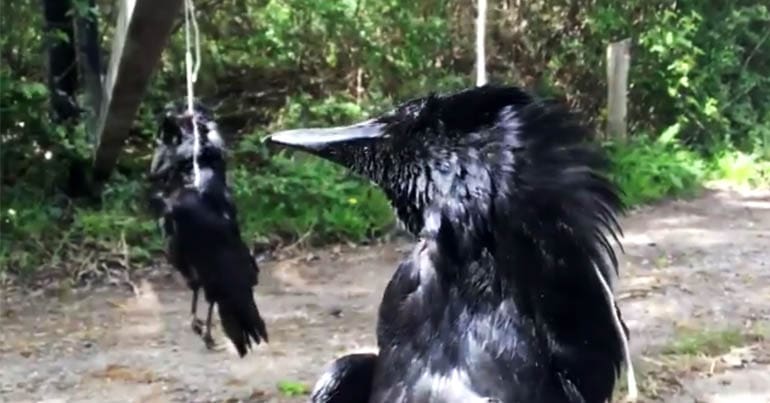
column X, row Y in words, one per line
column 698, row 267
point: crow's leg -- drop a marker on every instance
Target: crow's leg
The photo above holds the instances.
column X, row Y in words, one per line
column 196, row 323
column 179, row 261
column 207, row 336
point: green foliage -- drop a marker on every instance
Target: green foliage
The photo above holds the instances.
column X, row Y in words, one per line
column 741, row 168
column 699, row 76
column 291, row 199
column 293, row 195
column 649, row 170
column 712, row 63
column 285, row 199
column 38, row 230
column 293, row 388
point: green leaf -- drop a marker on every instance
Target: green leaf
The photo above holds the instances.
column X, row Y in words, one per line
column 669, row 135
column 292, row 388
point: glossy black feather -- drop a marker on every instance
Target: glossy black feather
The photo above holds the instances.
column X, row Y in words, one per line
column 500, row 298
column 222, row 263
column 201, row 226
column 346, row 380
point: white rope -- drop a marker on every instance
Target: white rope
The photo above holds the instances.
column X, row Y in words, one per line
column 633, row 391
column 481, row 58
column 192, row 76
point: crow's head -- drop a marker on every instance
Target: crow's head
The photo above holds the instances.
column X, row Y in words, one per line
column 439, row 147
column 175, row 137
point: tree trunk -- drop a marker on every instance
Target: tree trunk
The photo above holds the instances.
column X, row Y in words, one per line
column 90, row 64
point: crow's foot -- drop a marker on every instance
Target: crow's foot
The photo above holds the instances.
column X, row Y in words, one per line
column 209, row 341
column 197, row 326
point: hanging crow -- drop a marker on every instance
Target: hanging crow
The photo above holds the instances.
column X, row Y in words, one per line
column 506, row 297
column 201, row 226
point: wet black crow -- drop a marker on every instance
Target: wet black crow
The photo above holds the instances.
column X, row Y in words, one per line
column 201, row 227
column 507, row 295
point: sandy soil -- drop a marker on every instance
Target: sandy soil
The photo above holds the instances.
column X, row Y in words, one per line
column 691, row 267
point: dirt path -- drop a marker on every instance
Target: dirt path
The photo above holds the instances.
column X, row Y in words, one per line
column 694, row 282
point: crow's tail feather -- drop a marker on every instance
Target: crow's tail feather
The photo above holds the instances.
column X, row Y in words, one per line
column 241, row 321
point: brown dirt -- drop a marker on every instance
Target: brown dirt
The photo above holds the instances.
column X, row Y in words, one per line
column 690, row 267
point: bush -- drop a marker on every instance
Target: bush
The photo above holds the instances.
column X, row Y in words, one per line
column 699, row 68
column 648, row 170
column 287, row 197
column 297, row 195
column 741, row 168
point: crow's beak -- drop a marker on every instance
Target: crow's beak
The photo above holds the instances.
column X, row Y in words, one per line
column 316, row 140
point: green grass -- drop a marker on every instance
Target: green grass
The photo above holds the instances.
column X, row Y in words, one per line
column 292, row 388
column 652, row 169
column 691, row 351
column 709, row 342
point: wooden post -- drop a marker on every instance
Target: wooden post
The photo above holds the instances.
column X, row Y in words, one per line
column 618, row 63
column 143, row 29
column 481, row 68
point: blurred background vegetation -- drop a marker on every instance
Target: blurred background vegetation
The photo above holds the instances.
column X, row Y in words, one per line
column 699, row 106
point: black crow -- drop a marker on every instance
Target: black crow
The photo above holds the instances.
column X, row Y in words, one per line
column 506, row 297
column 201, row 227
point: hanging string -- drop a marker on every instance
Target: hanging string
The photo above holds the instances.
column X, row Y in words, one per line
column 192, row 76
column 633, row 390
column 481, row 58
